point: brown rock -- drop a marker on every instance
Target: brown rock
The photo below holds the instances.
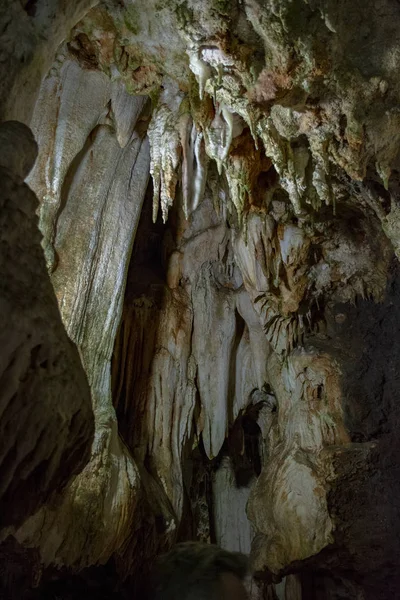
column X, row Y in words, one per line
column 46, row 419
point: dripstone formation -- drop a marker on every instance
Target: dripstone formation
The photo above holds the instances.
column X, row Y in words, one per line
column 216, row 199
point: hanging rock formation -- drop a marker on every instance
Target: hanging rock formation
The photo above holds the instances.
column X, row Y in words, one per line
column 114, row 162
column 219, row 187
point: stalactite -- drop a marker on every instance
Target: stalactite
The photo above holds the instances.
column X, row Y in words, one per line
column 201, row 70
column 219, row 136
column 194, row 167
column 165, row 158
column 256, row 312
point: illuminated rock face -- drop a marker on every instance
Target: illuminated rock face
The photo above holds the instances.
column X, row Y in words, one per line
column 88, row 269
column 248, row 154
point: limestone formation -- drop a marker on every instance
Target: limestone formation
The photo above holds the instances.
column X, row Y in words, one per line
column 219, row 187
column 89, row 286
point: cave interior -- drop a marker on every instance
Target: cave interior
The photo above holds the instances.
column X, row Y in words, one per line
column 200, row 293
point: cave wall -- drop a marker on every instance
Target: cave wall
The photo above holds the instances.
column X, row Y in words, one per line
column 46, row 423
column 109, row 164
column 239, row 357
column 31, row 32
column 46, row 416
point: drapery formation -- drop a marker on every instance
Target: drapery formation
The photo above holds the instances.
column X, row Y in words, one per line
column 218, row 191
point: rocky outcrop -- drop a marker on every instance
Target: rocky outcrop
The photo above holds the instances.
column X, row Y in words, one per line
column 46, row 422
column 88, row 269
column 268, row 232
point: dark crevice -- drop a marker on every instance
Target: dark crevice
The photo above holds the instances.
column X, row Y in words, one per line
column 201, row 495
column 378, row 190
column 239, row 332
column 30, row 7
column 134, row 344
column 84, row 51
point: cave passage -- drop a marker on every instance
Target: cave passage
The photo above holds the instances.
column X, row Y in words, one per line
column 199, row 293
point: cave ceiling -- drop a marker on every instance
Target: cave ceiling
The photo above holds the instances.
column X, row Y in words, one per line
column 217, row 189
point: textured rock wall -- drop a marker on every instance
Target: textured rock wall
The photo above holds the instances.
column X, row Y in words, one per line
column 46, row 422
column 30, row 32
column 90, row 185
column 175, row 384
column 273, row 149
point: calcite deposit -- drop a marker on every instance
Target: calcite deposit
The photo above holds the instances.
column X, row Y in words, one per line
column 218, row 197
